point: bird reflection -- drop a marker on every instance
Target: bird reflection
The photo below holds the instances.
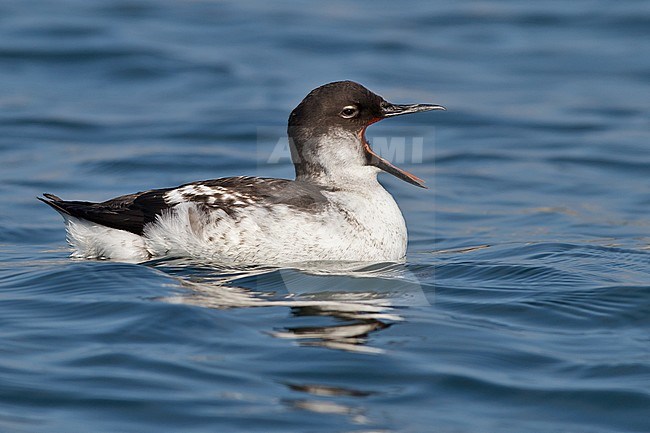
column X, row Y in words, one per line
column 354, row 303
column 355, row 413
column 356, row 319
column 351, row 337
column 328, row 391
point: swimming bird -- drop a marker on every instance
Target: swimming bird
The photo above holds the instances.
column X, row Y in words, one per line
column 335, row 209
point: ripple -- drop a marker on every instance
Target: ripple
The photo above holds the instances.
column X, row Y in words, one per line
column 508, row 276
column 606, row 307
column 73, row 55
column 618, row 165
column 51, row 122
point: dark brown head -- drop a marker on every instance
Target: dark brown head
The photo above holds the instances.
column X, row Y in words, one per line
column 327, row 130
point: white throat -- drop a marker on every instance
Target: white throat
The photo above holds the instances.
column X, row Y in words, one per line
column 341, row 162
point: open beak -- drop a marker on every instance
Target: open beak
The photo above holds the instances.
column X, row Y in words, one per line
column 390, row 110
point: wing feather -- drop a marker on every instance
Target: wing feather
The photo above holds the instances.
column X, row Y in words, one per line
column 134, row 211
column 129, row 212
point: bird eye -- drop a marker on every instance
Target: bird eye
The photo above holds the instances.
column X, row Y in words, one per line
column 349, row 111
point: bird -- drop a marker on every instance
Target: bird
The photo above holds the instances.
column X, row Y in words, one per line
column 334, row 210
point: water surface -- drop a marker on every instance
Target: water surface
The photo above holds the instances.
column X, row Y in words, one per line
column 524, row 300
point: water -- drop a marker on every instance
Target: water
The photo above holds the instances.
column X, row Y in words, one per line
column 524, row 302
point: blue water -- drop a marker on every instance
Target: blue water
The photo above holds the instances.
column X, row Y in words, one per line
column 524, row 301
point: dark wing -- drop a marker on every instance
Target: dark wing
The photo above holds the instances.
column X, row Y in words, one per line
column 132, row 212
column 128, row 212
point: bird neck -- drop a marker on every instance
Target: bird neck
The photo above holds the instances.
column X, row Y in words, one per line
column 334, row 158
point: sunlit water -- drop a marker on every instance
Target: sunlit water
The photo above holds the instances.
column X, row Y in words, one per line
column 524, row 301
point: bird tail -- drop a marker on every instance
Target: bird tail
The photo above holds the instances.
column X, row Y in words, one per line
column 54, row 202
